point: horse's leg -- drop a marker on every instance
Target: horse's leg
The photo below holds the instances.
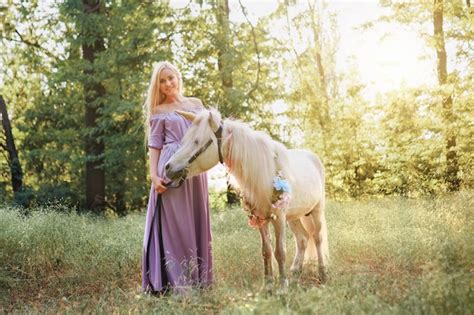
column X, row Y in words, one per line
column 301, row 238
column 320, row 237
column 267, row 257
column 280, row 250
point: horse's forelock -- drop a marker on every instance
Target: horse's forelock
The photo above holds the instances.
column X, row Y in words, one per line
column 197, row 129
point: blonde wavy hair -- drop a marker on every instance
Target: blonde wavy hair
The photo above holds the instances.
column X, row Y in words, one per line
column 154, row 97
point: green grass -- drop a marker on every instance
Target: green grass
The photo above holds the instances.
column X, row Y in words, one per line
column 388, row 256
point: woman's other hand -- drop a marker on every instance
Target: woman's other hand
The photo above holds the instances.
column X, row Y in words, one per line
column 158, row 184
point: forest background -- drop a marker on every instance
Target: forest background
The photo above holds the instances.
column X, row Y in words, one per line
column 74, row 76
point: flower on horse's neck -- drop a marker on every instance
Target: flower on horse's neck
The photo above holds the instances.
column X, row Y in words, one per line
column 281, row 192
column 280, row 200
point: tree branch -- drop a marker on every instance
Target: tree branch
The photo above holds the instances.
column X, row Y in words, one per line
column 298, row 66
column 254, row 36
column 28, row 43
column 167, row 37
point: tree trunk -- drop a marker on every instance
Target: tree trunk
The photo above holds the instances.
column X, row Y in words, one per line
column 94, row 145
column 318, row 49
column 14, row 162
column 323, row 109
column 223, row 48
column 452, row 166
column 224, row 63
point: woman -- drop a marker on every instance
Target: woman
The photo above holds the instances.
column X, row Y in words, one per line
column 177, row 242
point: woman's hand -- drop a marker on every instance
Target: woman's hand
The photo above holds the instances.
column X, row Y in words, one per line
column 158, row 184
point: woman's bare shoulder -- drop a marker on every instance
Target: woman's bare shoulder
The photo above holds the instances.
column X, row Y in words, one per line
column 163, row 109
column 187, row 104
column 196, row 103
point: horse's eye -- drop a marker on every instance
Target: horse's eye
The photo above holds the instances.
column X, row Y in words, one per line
column 196, row 142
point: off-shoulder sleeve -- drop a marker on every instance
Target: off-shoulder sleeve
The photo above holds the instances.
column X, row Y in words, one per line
column 157, row 133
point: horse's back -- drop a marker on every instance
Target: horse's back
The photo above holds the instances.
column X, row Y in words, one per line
column 305, row 156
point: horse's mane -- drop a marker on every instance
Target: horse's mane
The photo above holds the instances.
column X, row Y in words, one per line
column 254, row 160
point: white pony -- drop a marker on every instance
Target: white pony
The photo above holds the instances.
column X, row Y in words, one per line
column 254, row 159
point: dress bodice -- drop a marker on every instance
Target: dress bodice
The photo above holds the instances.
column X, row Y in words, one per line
column 167, row 129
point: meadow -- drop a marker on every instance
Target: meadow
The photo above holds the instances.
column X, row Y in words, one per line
column 388, row 256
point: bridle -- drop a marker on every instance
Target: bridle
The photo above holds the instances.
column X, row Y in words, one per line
column 218, row 134
column 182, row 178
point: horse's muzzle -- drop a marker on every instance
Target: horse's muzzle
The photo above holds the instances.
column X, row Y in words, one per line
column 175, row 174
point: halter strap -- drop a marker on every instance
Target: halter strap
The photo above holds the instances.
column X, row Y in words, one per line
column 218, row 135
column 201, row 150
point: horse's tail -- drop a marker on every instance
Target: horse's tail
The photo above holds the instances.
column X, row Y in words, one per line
column 324, row 231
column 310, row 254
column 308, row 223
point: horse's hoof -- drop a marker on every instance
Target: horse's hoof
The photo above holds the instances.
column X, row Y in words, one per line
column 283, row 289
column 295, row 277
column 294, row 283
column 323, row 275
column 267, row 289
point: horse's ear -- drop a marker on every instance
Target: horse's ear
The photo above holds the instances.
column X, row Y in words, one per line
column 212, row 122
column 188, row 115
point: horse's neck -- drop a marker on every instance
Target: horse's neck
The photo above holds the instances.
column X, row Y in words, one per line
column 236, row 168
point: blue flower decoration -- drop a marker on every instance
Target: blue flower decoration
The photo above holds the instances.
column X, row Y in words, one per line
column 281, row 185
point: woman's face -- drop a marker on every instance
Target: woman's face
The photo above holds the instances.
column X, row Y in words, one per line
column 168, row 82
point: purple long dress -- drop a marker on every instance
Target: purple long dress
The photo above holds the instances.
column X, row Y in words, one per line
column 177, row 241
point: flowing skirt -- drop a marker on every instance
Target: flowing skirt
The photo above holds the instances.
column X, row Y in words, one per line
column 177, row 242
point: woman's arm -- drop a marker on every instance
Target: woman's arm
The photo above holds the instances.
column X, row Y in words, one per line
column 154, row 155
